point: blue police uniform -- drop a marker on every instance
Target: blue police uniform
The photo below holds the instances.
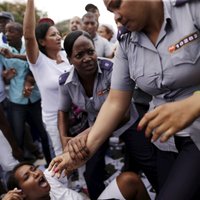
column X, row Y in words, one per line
column 169, row 71
column 71, row 91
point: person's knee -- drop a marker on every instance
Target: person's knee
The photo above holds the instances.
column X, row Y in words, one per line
column 129, row 178
column 131, row 186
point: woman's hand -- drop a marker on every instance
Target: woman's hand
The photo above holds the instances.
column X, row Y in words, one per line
column 63, row 164
column 166, row 120
column 15, row 194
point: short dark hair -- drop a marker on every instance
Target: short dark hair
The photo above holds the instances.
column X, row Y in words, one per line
column 90, row 7
column 89, row 15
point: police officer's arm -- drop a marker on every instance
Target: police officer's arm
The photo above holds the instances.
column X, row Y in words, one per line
column 32, row 49
column 109, row 117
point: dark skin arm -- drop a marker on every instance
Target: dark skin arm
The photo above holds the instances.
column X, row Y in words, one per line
column 29, row 84
column 8, row 54
column 73, row 145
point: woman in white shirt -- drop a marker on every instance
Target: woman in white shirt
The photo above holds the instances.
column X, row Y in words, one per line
column 33, row 184
column 47, row 62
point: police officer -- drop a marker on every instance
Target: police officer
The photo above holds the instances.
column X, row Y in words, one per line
column 161, row 55
column 87, row 86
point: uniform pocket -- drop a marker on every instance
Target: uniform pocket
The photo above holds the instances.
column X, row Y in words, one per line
column 136, row 64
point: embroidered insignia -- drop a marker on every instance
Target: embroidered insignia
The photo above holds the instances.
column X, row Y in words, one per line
column 63, row 78
column 105, row 64
column 183, row 42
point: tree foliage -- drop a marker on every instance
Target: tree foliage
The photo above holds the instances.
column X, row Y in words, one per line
column 63, row 27
column 18, row 9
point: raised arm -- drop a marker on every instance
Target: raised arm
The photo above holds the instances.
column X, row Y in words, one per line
column 32, row 49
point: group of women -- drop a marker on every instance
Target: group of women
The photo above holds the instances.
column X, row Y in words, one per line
column 159, row 53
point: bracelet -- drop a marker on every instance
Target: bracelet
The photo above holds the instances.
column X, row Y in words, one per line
column 197, row 92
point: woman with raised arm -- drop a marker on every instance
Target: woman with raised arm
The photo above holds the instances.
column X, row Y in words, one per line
column 47, row 62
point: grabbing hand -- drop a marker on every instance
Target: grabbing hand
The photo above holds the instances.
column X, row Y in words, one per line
column 166, row 120
column 77, row 147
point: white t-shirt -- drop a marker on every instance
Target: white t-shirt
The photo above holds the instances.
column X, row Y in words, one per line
column 59, row 191
column 46, row 73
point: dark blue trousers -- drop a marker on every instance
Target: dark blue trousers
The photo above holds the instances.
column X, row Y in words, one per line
column 183, row 181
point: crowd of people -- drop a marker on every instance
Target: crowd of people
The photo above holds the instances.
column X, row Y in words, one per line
column 62, row 99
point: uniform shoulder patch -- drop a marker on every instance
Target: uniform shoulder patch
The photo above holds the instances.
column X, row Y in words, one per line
column 63, row 78
column 121, row 32
column 105, row 64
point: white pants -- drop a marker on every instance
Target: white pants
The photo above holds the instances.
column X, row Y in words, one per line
column 55, row 138
column 7, row 161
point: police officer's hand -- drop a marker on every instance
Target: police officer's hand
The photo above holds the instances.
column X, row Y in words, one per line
column 166, row 120
column 77, row 146
column 64, row 141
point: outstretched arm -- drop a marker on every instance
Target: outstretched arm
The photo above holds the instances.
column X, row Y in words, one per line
column 110, row 115
column 32, row 49
column 167, row 119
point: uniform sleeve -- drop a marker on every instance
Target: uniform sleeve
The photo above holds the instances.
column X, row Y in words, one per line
column 64, row 100
column 121, row 76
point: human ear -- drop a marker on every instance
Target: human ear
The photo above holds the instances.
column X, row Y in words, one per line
column 41, row 42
